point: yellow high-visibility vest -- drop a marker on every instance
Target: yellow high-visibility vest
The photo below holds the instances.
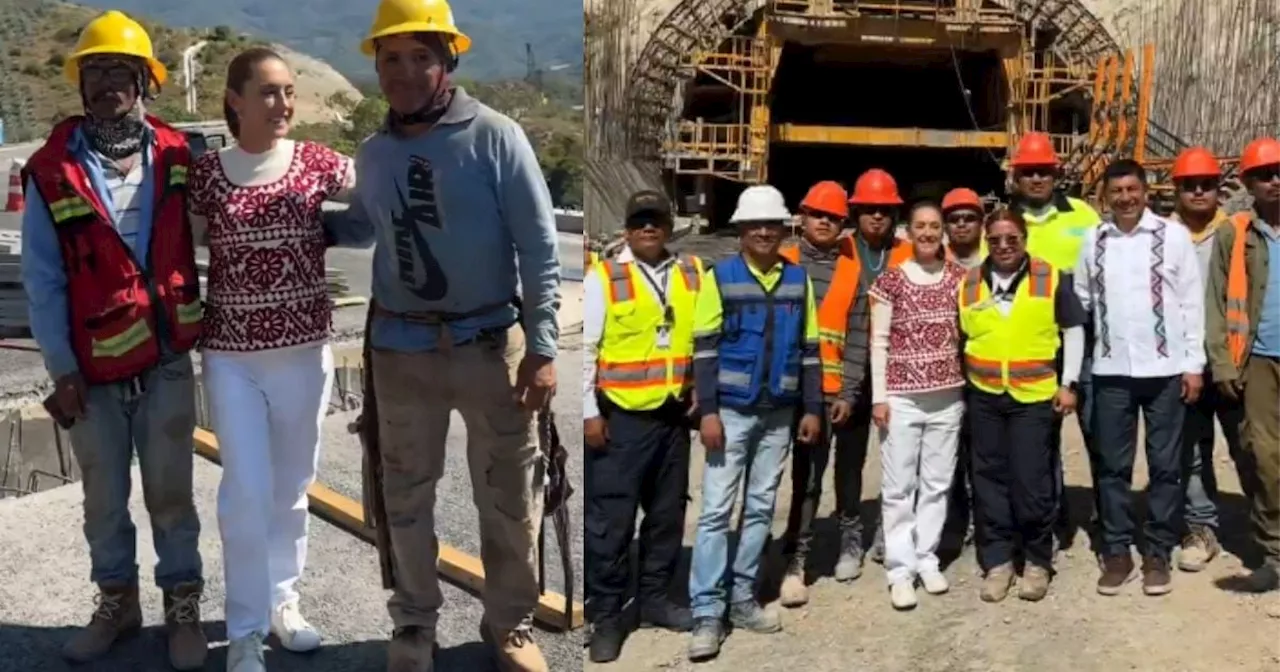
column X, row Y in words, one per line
column 633, row 371
column 1013, row 353
column 1058, row 236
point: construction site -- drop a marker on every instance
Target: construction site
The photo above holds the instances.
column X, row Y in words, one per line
column 700, row 98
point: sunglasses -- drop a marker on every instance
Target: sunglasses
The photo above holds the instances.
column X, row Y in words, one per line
column 1004, row 241
column 114, row 73
column 824, row 216
column 1266, row 174
column 885, row 210
column 965, row 218
column 1037, row 171
column 1203, row 184
column 639, row 224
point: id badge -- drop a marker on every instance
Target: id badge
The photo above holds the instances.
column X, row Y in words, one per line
column 664, row 338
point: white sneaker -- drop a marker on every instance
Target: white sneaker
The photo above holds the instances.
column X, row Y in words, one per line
column 934, row 583
column 245, row 654
column 293, row 631
column 903, row 594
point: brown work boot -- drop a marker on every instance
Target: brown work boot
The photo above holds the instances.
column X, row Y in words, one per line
column 995, row 586
column 1117, row 570
column 515, row 649
column 1034, row 584
column 1156, row 578
column 1199, row 548
column 116, row 617
column 412, row 649
column 188, row 647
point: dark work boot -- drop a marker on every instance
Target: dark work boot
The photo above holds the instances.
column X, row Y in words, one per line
column 188, row 646
column 849, row 564
column 708, row 635
column 116, row 617
column 607, row 637
column 665, row 614
column 794, row 593
column 749, row 615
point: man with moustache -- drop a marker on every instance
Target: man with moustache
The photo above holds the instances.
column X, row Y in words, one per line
column 1243, row 336
column 1139, row 277
column 108, row 264
column 466, row 287
column 755, row 367
column 637, row 387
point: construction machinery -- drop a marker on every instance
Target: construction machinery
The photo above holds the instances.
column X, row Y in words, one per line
column 716, row 95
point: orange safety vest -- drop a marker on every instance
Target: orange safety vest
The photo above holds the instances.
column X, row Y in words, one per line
column 1238, row 291
column 833, row 313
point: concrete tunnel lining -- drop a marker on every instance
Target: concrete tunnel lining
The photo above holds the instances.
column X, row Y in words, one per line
column 658, row 97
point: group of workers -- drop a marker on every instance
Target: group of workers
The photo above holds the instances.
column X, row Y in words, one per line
column 965, row 344
column 463, row 317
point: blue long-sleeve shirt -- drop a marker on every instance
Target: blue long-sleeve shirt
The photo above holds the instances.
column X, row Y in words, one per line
column 463, row 221
column 43, row 272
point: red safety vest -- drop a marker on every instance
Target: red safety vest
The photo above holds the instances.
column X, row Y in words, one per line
column 112, row 301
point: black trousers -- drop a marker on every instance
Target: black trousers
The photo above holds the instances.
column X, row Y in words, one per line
column 1015, row 499
column 1117, row 401
column 645, row 465
column 809, row 466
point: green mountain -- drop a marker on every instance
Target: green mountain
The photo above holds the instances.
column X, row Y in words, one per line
column 331, row 30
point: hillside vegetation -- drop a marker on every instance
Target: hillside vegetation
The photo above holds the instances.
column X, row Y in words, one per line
column 332, row 29
column 37, row 36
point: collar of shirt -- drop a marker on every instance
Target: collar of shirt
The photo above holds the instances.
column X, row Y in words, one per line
column 1003, row 288
column 626, row 256
column 1148, row 222
column 1219, row 218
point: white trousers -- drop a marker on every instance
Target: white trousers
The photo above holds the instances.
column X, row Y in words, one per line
column 918, row 458
column 267, row 409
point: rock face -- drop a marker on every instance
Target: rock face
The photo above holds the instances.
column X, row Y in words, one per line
column 316, row 81
column 1212, row 62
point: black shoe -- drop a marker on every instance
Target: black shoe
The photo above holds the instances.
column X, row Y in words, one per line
column 606, row 642
column 666, row 615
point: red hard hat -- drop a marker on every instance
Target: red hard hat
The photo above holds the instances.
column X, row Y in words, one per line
column 827, row 197
column 961, row 198
column 1035, row 149
column 1196, row 162
column 875, row 187
column 1259, row 153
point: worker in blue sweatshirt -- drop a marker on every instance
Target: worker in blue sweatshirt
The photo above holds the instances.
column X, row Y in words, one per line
column 466, row 287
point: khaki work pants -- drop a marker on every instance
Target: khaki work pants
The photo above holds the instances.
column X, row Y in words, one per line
column 416, row 393
column 1260, row 436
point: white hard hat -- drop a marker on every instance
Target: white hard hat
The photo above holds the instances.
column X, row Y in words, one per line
column 761, row 203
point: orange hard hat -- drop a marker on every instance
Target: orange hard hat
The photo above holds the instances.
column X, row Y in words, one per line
column 961, row 198
column 827, row 197
column 875, row 187
column 1196, row 162
column 1034, row 149
column 1259, row 153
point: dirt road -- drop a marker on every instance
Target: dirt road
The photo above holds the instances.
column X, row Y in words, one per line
column 1205, row 625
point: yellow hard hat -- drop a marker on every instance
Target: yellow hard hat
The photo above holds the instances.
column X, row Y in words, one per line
column 396, row 17
column 113, row 33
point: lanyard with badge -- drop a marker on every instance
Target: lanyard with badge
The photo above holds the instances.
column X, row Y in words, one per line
column 668, row 314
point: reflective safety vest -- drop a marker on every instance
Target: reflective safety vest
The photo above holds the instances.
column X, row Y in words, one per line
column 762, row 334
column 634, row 372
column 1058, row 237
column 115, row 306
column 833, row 312
column 1013, row 353
column 1238, row 291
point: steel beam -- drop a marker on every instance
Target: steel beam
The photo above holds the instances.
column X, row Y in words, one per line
column 868, row 136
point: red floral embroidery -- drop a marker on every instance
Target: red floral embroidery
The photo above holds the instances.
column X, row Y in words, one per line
column 924, row 337
column 266, row 252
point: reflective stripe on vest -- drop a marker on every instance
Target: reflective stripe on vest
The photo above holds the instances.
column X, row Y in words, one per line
column 1238, row 291
column 64, row 210
column 1012, row 354
column 632, row 371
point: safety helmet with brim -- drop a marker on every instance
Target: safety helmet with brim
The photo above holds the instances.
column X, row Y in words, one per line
column 761, row 205
column 400, row 17
column 114, row 34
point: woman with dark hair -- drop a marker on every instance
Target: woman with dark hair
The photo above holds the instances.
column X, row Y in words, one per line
column 267, row 363
column 1012, row 310
column 916, row 385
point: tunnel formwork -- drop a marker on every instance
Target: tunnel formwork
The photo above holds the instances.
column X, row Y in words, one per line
column 721, row 94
